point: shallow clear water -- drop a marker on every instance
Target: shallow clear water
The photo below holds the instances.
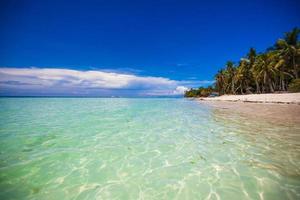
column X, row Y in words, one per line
column 97, row 148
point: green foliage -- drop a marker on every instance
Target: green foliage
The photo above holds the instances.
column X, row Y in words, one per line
column 277, row 69
column 294, row 86
column 200, row 92
column 192, row 93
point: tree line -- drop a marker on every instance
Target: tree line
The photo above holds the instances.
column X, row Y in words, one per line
column 275, row 70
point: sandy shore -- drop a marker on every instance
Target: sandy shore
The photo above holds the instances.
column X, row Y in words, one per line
column 277, row 113
column 285, row 98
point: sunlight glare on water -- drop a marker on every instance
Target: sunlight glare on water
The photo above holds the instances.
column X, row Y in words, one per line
column 103, row 148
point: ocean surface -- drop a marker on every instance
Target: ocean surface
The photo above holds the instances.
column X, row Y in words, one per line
column 118, row 148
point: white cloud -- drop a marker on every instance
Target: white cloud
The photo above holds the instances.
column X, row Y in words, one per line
column 66, row 81
column 97, row 79
column 57, row 80
column 180, row 90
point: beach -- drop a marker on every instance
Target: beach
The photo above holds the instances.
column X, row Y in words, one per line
column 268, row 112
column 282, row 98
column 275, row 108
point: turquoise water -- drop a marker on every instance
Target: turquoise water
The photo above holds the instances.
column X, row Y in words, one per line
column 98, row 148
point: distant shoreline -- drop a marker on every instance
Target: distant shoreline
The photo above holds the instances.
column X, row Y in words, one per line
column 280, row 98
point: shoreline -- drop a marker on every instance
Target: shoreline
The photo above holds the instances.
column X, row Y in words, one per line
column 272, row 98
column 283, row 114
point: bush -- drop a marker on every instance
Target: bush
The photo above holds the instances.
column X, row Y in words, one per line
column 294, row 86
column 205, row 92
column 200, row 92
column 191, row 93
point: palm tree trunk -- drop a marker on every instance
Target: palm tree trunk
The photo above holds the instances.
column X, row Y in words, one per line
column 280, row 85
column 257, row 86
column 265, row 82
column 274, row 86
column 242, row 92
column 295, row 67
column 271, row 86
column 232, row 88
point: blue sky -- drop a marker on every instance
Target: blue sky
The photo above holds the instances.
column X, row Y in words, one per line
column 130, row 48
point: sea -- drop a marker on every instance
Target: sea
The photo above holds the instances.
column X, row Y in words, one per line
column 142, row 148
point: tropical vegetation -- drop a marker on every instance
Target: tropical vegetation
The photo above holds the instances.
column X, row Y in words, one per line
column 275, row 70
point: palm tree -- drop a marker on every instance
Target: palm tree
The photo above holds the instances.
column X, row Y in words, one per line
column 220, row 82
column 230, row 72
column 251, row 60
column 264, row 71
column 289, row 51
column 241, row 78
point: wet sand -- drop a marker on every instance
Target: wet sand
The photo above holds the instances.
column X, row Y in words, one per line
column 277, row 113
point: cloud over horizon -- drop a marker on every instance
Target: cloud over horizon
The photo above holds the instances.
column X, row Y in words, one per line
column 58, row 81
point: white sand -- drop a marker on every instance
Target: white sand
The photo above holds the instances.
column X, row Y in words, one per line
column 286, row 98
column 277, row 113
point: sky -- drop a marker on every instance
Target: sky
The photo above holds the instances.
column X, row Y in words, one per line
column 130, row 48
